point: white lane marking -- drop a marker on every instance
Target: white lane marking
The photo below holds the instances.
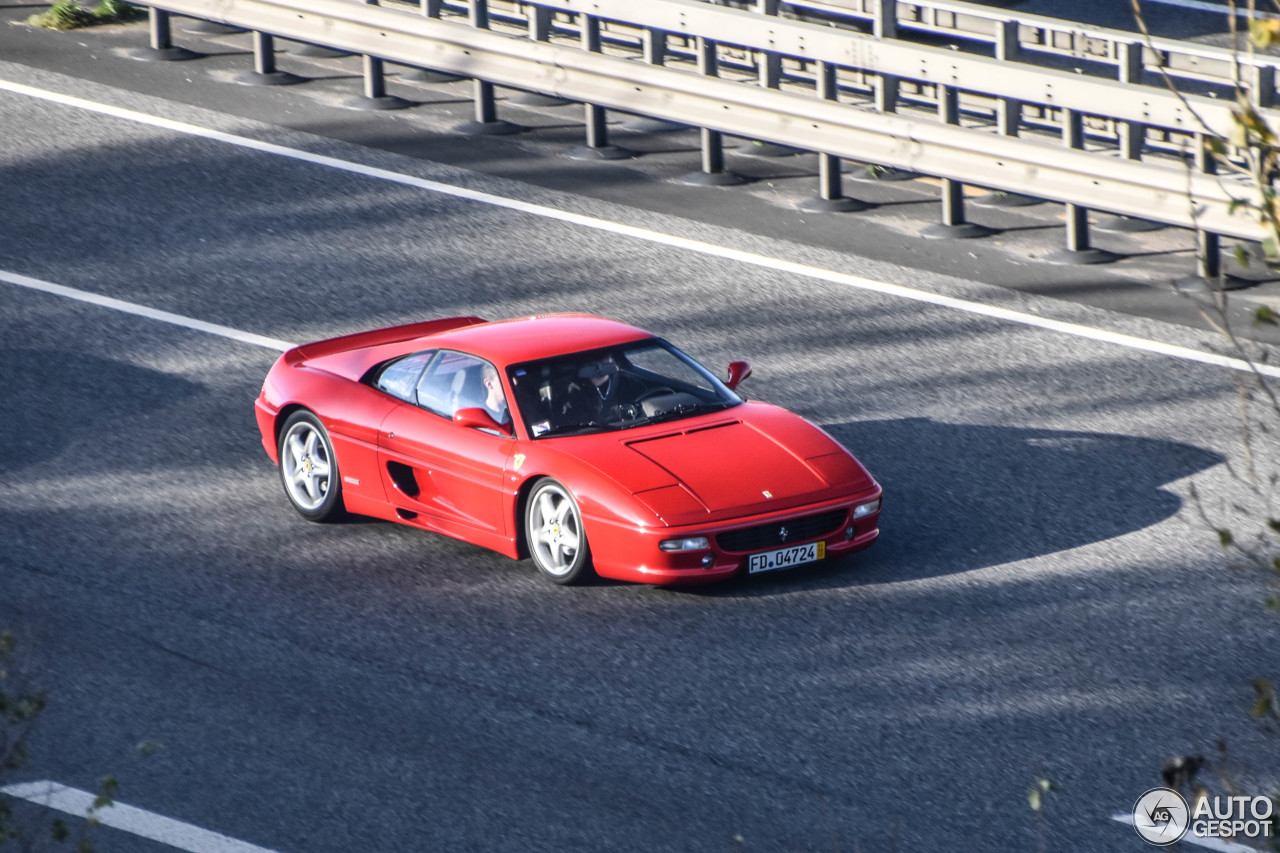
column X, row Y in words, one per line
column 709, row 249
column 1202, row 6
column 1211, row 843
column 144, row 311
column 129, row 819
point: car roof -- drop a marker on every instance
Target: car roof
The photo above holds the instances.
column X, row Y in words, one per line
column 538, row 336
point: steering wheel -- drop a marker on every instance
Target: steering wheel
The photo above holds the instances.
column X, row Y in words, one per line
column 653, row 392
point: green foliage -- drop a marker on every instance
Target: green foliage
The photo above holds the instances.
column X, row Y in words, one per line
column 20, row 708
column 1037, row 796
column 63, row 15
column 1265, row 699
column 117, row 11
column 1246, row 525
column 106, row 793
column 1037, row 792
column 70, row 15
column 1263, row 33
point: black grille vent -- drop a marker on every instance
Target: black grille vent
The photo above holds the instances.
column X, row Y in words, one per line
column 770, row 535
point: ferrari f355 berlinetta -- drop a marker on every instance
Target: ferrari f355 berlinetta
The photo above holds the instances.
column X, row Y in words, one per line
column 581, row 442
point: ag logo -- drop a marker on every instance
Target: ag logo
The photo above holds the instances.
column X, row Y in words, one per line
column 1161, row 816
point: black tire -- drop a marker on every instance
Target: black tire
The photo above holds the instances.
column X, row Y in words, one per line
column 554, row 533
column 309, row 468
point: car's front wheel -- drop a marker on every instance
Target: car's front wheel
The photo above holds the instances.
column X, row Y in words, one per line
column 309, row 469
column 553, row 529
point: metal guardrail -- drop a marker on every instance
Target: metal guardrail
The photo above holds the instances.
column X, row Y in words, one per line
column 1084, row 140
column 1020, row 37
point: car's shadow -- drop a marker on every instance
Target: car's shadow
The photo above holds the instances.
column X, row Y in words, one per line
column 960, row 497
column 42, row 418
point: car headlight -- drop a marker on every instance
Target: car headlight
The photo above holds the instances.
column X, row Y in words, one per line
column 863, row 510
column 689, row 543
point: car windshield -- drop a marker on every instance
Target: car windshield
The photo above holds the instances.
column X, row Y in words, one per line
column 614, row 388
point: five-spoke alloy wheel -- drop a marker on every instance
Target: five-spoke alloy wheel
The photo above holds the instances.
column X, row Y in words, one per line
column 308, row 468
column 553, row 528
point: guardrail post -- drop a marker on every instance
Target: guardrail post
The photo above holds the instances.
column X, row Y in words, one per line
column 831, row 197
column 375, row 95
column 430, row 9
column 769, row 76
column 1008, row 44
column 769, row 65
column 1130, row 63
column 264, row 71
column 161, row 48
column 1008, row 123
column 486, row 122
column 1264, row 85
column 654, row 45
column 1131, row 136
column 953, row 225
column 1209, row 246
column 1008, row 48
column 713, row 173
column 886, row 90
column 885, row 19
column 539, row 30
column 887, row 94
column 1078, row 250
column 885, row 26
column 597, row 147
column 161, row 29
column 1209, row 273
column 1131, row 70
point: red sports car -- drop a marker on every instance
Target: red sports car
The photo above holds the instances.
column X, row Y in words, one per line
column 582, row 442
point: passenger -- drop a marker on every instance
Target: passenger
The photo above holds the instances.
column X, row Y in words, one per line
column 495, row 402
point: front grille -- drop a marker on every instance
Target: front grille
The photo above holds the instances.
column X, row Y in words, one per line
column 770, row 535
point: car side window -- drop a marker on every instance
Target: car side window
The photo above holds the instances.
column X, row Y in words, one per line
column 400, row 377
column 457, row 381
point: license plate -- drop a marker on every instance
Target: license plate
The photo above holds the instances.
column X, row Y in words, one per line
column 785, row 558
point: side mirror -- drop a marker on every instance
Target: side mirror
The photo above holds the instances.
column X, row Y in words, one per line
column 738, row 371
column 477, row 418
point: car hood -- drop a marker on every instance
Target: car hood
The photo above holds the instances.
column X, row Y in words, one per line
column 768, row 459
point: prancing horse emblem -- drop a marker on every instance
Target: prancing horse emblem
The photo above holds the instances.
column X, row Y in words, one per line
column 783, row 534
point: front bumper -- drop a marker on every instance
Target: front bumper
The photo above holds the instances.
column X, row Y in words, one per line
column 630, row 554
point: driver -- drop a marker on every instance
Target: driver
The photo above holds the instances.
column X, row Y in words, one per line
column 599, row 394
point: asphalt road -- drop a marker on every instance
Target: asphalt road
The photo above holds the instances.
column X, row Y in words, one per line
column 1041, row 602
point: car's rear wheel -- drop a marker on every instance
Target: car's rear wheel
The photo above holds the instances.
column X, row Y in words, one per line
column 308, row 468
column 553, row 529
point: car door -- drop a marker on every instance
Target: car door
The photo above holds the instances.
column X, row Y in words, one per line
column 451, row 473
